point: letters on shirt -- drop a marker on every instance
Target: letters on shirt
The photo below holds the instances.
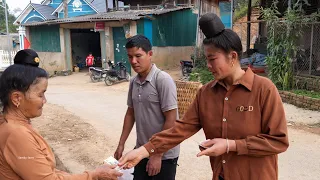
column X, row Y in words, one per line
column 244, row 108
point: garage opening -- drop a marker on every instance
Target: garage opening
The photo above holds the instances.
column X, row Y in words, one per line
column 83, row 42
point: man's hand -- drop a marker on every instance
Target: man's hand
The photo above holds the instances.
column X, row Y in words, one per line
column 119, row 151
column 154, row 165
column 106, row 172
column 133, row 157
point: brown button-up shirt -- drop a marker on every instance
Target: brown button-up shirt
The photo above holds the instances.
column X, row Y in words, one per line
column 251, row 113
column 25, row 155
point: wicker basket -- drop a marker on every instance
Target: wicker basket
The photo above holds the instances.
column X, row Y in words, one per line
column 186, row 92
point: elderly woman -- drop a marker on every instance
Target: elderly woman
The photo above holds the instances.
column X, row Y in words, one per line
column 240, row 112
column 24, row 154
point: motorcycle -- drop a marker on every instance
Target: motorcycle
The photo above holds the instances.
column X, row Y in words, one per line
column 98, row 73
column 116, row 74
column 186, row 67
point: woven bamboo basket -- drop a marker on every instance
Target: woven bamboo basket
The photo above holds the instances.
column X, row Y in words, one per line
column 186, row 92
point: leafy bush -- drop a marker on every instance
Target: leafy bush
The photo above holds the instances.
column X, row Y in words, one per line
column 282, row 46
column 200, row 72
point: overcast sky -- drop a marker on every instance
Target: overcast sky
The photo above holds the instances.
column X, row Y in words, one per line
column 20, row 3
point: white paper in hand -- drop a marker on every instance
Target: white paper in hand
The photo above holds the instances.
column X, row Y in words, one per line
column 127, row 173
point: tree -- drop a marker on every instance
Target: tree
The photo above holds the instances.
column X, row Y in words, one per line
column 11, row 19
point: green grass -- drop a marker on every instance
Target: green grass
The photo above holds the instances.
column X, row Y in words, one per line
column 312, row 94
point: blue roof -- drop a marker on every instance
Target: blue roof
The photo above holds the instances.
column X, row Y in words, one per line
column 44, row 10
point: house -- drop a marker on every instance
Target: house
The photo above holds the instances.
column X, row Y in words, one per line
column 64, row 34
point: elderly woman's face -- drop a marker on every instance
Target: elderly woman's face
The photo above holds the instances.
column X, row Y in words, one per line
column 33, row 100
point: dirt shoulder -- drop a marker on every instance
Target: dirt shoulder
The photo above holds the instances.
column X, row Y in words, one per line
column 83, row 121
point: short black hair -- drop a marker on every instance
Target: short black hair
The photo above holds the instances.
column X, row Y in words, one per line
column 227, row 41
column 139, row 41
column 18, row 78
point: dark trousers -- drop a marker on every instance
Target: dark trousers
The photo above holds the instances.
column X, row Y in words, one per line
column 167, row 172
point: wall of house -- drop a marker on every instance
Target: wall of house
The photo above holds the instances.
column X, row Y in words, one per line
column 174, row 29
column 45, row 38
column 33, row 16
column 109, row 36
column 169, row 57
column 225, row 14
column 173, row 36
column 5, row 45
column 85, row 9
column 54, row 61
column 55, row 3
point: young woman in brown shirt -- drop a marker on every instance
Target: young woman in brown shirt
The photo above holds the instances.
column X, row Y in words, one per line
column 241, row 113
column 24, row 154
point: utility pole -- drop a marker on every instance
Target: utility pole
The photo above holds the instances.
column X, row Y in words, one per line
column 4, row 5
column 65, row 8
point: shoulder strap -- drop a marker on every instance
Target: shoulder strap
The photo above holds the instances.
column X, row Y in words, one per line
column 131, row 85
column 157, row 74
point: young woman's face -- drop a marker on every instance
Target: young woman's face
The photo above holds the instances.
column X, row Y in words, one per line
column 32, row 101
column 219, row 63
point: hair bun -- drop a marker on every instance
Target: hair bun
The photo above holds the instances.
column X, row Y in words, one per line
column 27, row 57
column 211, row 25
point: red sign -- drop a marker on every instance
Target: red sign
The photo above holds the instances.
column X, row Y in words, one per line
column 99, row 26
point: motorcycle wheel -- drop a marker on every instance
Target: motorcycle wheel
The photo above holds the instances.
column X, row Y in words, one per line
column 107, row 81
column 128, row 76
column 184, row 71
column 93, row 78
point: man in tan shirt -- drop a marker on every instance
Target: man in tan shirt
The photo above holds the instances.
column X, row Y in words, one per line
column 241, row 113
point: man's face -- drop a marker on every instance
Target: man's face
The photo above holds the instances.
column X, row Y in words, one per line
column 139, row 59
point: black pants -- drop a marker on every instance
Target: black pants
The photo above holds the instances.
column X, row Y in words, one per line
column 167, row 172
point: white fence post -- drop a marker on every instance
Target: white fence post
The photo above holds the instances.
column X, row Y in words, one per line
column 5, row 58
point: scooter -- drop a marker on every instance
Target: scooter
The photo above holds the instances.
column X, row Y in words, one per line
column 117, row 73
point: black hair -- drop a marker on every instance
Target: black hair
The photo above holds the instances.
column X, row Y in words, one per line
column 139, row 41
column 18, row 78
column 216, row 34
column 227, row 41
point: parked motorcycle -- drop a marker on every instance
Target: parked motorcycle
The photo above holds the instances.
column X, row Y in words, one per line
column 186, row 67
column 116, row 74
column 98, row 73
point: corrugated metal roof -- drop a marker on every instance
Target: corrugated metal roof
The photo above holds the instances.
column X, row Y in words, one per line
column 100, row 5
column 110, row 16
column 44, row 10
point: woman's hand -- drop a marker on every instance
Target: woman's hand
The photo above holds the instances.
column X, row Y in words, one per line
column 106, row 172
column 133, row 157
column 217, row 147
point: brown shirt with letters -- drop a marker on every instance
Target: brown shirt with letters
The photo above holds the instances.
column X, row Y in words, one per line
column 25, row 155
column 251, row 113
